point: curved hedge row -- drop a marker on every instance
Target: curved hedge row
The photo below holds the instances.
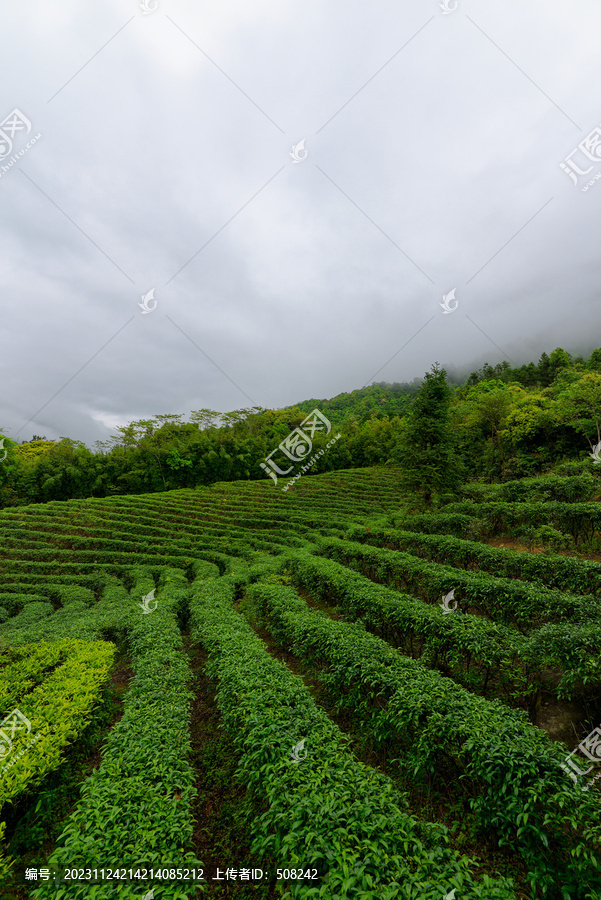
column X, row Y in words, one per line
column 562, row 572
column 58, row 708
column 104, row 619
column 527, row 604
column 519, row 666
column 565, row 489
column 23, row 668
column 581, row 520
column 458, row 524
column 145, row 776
column 510, row 770
column 330, row 810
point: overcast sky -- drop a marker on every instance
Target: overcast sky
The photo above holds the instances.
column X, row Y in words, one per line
column 430, row 164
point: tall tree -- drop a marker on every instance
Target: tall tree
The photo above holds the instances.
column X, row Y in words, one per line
column 579, row 405
column 594, row 360
column 492, row 401
column 427, row 452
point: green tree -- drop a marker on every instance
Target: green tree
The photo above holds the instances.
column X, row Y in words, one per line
column 527, row 424
column 579, row 405
column 427, row 451
column 29, row 450
column 594, row 361
column 9, row 463
column 559, row 360
column 492, row 405
column 204, row 418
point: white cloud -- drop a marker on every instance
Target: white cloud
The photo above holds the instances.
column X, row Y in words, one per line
column 156, row 155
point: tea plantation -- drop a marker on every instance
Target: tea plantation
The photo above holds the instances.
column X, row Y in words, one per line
column 312, row 681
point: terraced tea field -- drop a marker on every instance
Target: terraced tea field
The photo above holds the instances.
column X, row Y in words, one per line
column 303, row 683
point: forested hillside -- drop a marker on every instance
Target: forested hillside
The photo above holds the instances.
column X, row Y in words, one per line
column 502, row 424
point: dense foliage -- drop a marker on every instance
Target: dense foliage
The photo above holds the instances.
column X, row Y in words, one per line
column 503, row 423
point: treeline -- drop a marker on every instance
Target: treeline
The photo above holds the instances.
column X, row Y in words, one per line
column 502, row 423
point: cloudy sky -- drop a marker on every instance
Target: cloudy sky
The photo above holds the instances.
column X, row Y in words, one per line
column 151, row 150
